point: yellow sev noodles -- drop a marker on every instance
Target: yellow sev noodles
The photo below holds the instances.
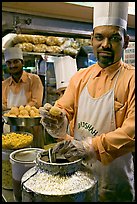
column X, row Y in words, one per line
column 16, row 140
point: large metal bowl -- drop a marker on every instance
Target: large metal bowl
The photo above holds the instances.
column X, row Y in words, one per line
column 16, row 121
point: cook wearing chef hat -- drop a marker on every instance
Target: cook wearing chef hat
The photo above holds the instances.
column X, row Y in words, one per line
column 110, row 13
column 13, row 53
column 18, row 89
column 21, row 88
column 101, row 102
column 110, row 16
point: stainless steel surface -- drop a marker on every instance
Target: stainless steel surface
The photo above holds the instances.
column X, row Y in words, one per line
column 16, row 121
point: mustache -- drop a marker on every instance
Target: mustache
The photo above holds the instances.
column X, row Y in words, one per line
column 13, row 67
column 106, row 50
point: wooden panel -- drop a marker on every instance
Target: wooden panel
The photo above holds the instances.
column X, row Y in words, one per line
column 59, row 10
column 131, row 21
column 51, row 9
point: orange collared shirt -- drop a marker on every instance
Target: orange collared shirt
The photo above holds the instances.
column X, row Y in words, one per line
column 32, row 85
column 122, row 140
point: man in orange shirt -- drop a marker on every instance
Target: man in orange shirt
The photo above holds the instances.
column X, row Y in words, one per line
column 100, row 100
column 21, row 88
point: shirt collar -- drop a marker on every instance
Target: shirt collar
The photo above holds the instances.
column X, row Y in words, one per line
column 23, row 78
column 110, row 70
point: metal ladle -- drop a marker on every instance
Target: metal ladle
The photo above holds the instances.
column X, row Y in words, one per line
column 52, row 157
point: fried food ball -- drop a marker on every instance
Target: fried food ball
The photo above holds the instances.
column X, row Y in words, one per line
column 55, row 111
column 32, row 113
column 21, row 107
column 28, row 107
column 14, row 111
column 36, row 110
column 24, row 112
column 33, row 108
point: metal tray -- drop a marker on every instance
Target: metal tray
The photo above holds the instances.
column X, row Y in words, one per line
column 15, row 121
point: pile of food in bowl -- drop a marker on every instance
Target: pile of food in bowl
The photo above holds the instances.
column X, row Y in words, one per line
column 23, row 111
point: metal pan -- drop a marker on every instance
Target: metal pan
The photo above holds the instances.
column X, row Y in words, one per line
column 15, row 121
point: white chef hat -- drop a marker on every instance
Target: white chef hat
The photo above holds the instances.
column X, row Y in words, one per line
column 65, row 68
column 13, row 53
column 110, row 13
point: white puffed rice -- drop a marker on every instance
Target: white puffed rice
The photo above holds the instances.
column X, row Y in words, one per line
column 47, row 184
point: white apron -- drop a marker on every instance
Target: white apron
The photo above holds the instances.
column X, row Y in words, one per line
column 98, row 116
column 14, row 100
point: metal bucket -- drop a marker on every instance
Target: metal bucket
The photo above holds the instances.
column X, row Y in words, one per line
column 21, row 160
column 61, row 181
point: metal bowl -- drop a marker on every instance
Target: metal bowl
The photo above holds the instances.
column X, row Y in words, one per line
column 60, row 166
column 16, row 121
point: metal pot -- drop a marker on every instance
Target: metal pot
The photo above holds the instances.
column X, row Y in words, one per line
column 58, row 181
column 21, row 160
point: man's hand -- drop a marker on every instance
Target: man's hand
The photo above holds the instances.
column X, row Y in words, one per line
column 54, row 121
column 74, row 149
